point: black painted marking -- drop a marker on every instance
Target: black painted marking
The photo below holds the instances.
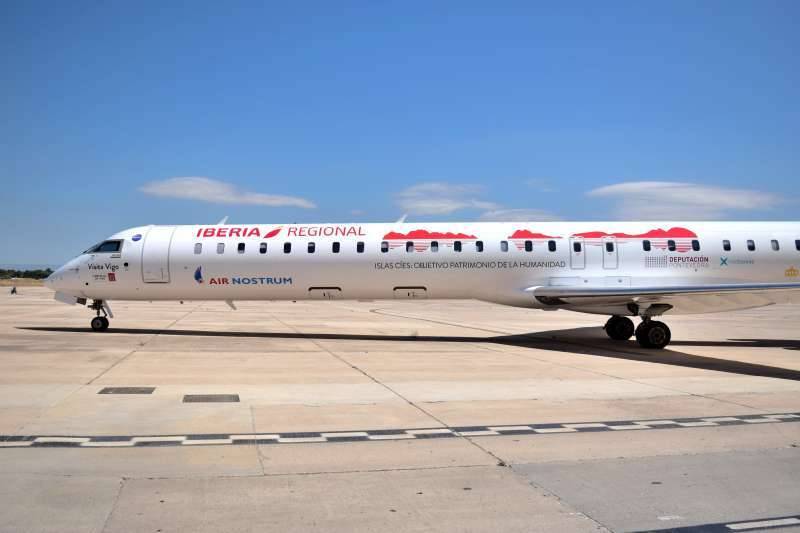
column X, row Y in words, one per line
column 210, row 398
column 127, row 390
column 61, row 441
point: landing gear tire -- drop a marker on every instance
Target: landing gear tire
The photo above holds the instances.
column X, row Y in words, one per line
column 653, row 334
column 99, row 323
column 619, row 328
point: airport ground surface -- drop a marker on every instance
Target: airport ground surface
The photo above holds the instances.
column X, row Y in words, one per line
column 393, row 416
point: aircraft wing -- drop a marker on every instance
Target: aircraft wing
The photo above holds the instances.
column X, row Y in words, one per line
column 680, row 298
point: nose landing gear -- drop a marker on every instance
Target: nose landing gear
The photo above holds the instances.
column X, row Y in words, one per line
column 99, row 323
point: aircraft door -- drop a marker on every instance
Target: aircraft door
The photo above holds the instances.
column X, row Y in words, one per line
column 155, row 254
column 577, row 253
column 610, row 254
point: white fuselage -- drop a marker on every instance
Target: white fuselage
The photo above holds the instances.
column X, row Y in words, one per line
column 497, row 262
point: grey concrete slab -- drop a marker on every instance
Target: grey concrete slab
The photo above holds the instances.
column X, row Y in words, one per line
column 46, row 503
column 676, row 491
column 452, row 499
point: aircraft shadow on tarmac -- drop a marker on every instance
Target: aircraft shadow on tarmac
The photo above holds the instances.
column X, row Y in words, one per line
column 585, row 341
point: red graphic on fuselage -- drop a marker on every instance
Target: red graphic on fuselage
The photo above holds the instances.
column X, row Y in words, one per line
column 521, row 235
column 237, row 231
column 659, row 238
column 421, row 238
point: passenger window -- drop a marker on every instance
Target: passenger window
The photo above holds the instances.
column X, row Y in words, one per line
column 311, row 247
column 384, row 246
column 696, row 245
column 263, row 248
column 360, row 247
column 457, row 246
column 551, row 245
column 646, row 245
column 751, row 245
column 726, row 245
column 220, row 247
column 335, row 247
column 671, row 245
column 576, row 247
column 528, row 246
column 409, row 246
column 434, row 246
column 240, row 248
column 198, row 247
column 775, row 245
column 287, row 247
column 504, row 246
column 478, row 246
column 609, row 246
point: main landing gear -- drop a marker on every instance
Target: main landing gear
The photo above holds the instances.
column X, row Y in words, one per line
column 99, row 323
column 650, row 333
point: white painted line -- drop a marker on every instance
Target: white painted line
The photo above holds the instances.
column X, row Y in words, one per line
column 62, row 439
column 555, row 430
column 656, row 422
column 254, row 437
column 744, row 526
column 509, row 428
column 696, row 424
column 288, row 440
column 392, row 437
column 193, row 442
column 587, row 425
column 781, row 417
column 159, row 439
column 759, row 420
column 480, row 433
column 438, row 431
column 346, row 434
column 723, row 419
column 628, row 426
column 107, row 444
column 15, row 444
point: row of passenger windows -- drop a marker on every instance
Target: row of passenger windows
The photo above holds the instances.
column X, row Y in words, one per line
column 336, row 247
column 457, row 246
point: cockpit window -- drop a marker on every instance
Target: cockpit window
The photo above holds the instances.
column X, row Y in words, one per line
column 105, row 247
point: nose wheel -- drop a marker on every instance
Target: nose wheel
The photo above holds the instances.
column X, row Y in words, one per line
column 99, row 323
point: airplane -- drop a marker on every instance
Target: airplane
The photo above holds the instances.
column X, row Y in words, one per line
column 623, row 270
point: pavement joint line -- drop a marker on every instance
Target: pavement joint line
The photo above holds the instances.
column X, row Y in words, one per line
column 298, row 437
column 413, row 404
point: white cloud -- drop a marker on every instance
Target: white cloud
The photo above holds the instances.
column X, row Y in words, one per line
column 518, row 215
column 650, row 200
column 435, row 198
column 219, row 192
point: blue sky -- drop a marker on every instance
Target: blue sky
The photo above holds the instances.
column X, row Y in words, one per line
column 339, row 111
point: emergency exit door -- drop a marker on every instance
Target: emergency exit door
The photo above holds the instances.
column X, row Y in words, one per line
column 610, row 253
column 577, row 253
column 155, row 254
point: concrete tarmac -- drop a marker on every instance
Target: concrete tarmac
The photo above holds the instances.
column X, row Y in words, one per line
column 393, row 416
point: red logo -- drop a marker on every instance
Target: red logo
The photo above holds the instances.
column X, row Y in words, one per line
column 112, row 276
column 422, row 238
